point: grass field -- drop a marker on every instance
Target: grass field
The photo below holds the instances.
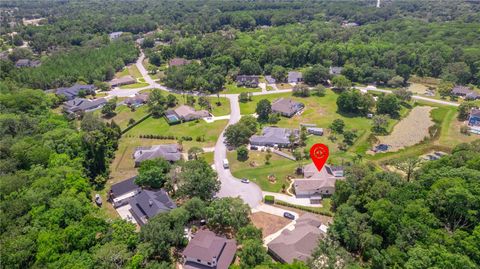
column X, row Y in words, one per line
column 233, row 89
column 131, row 70
column 134, row 85
column 159, row 126
column 258, row 173
column 124, row 114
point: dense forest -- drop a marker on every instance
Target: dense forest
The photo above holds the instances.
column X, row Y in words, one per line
column 431, row 221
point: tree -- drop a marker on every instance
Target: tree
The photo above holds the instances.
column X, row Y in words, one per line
column 445, row 88
column 263, row 110
column 250, row 67
column 407, row 165
column 194, row 153
column 156, row 103
column 340, row 82
column 153, row 173
column 227, row 213
column 244, row 97
column 464, row 110
column 301, row 90
column 109, row 108
column 198, row 179
column 171, row 100
column 279, row 73
column 403, row 94
column 239, row 134
column 196, row 208
column 303, row 136
column 380, row 124
column 242, row 153
column 458, row 72
column 404, row 71
column 190, row 100
column 396, row 81
column 388, row 104
column 268, row 156
column 248, row 232
column 204, row 103
column 349, row 137
column 355, row 102
column 319, row 90
column 315, row 75
column 337, row 126
column 252, row 254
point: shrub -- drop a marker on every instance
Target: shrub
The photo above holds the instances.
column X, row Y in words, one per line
column 269, row 199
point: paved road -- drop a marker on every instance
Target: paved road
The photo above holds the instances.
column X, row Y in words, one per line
column 231, row 186
column 417, row 97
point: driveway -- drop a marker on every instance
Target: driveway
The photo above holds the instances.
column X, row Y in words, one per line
column 231, row 186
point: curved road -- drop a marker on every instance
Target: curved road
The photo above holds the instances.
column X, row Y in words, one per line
column 230, row 186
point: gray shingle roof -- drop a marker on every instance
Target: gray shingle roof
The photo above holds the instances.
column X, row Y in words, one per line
column 270, row 80
column 82, row 104
column 461, row 90
column 286, row 106
column 273, row 135
column 148, row 204
column 168, row 152
column 123, row 187
column 294, row 77
column 72, row 92
column 207, row 246
column 299, row 243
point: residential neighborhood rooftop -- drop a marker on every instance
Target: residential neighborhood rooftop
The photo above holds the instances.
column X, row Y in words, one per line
column 273, row 136
column 286, row 106
column 206, row 247
column 294, row 77
column 147, row 204
column 71, row 92
column 185, row 113
column 178, row 62
column 125, row 80
column 83, row 105
column 299, row 243
column 169, row 152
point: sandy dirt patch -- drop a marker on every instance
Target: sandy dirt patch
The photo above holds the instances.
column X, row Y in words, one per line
column 417, row 88
column 409, row 131
column 268, row 223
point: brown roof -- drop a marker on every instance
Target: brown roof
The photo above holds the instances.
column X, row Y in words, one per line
column 178, row 62
column 188, row 112
column 138, row 98
column 299, row 243
column 314, row 179
column 207, row 246
column 122, row 81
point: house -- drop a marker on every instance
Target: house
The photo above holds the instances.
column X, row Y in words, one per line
column 461, row 90
column 474, row 121
column 120, row 193
column 81, row 105
column 335, row 70
column 247, row 81
column 317, row 183
column 72, row 92
column 274, row 136
column 286, row 107
column 270, row 80
column 169, row 152
column 207, row 250
column 347, row 24
column 472, row 96
column 315, row 131
column 178, row 62
column 114, row 35
column 299, row 243
column 185, row 113
column 27, row 63
column 137, row 100
column 147, row 204
column 125, row 80
column 294, row 77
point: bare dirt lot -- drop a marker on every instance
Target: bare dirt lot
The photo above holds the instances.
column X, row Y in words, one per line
column 409, row 131
column 268, row 223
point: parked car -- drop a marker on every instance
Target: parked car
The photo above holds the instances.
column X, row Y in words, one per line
column 98, row 199
column 244, row 180
column 253, row 148
column 225, row 163
column 289, row 215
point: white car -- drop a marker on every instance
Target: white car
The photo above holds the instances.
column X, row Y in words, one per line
column 225, row 164
column 244, row 180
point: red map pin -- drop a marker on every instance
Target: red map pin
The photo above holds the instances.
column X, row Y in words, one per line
column 319, row 154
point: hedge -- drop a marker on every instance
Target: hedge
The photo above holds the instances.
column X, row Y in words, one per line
column 316, row 210
column 269, row 199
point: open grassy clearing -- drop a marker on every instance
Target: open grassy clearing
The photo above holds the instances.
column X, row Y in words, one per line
column 411, row 130
column 233, row 89
column 257, row 171
column 134, row 85
column 194, row 129
column 131, row 70
column 125, row 113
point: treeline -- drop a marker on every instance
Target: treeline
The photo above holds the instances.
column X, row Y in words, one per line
column 427, row 220
column 84, row 64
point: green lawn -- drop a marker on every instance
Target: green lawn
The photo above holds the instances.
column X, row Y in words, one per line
column 159, row 126
column 124, row 114
column 257, row 171
column 233, row 89
column 131, row 70
column 134, row 85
